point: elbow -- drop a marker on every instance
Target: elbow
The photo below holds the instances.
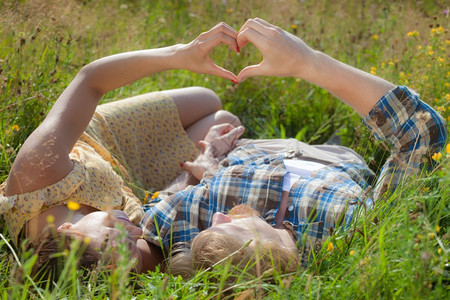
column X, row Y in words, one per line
column 89, row 77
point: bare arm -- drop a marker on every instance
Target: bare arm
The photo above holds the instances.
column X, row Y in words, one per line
column 44, row 157
column 286, row 55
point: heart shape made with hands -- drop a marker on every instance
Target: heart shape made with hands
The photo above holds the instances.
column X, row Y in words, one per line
column 228, row 61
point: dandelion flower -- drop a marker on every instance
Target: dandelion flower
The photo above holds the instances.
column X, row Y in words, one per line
column 447, row 97
column 447, row 149
column 293, row 26
column 230, row 10
column 413, row 33
column 437, row 156
column 330, row 247
column 373, row 70
column 438, row 228
column 155, row 195
column 352, row 252
column 146, row 197
column 440, row 251
column 86, row 240
column 431, row 235
column 15, row 128
column 375, row 37
column 72, row 205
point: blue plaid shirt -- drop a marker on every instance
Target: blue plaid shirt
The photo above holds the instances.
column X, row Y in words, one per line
column 317, row 204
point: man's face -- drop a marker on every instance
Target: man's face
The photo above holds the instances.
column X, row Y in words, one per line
column 244, row 224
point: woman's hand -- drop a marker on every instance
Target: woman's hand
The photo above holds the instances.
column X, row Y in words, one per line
column 195, row 55
column 283, row 53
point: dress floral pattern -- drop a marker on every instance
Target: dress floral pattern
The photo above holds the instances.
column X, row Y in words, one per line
column 141, row 138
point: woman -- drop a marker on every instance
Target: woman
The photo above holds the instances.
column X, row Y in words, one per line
column 75, row 155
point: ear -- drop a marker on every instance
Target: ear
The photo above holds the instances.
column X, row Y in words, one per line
column 64, row 226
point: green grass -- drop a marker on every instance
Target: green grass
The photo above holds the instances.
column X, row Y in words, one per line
column 398, row 250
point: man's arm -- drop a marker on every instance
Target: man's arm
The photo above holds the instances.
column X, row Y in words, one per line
column 395, row 114
column 287, row 55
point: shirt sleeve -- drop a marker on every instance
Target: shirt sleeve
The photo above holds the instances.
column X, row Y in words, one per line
column 412, row 127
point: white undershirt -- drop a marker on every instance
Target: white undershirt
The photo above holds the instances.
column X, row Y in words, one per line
column 298, row 169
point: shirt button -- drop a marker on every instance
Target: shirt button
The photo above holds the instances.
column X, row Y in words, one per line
column 291, row 208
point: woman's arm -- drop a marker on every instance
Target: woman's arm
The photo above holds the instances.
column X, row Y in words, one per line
column 287, row 55
column 44, row 157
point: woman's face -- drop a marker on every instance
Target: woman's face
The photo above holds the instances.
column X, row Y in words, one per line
column 245, row 228
column 105, row 231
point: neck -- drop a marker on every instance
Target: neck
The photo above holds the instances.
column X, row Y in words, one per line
column 151, row 255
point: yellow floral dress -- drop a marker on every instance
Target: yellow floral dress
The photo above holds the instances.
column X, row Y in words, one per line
column 141, row 138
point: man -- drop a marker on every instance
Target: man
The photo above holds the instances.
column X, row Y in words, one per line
column 302, row 192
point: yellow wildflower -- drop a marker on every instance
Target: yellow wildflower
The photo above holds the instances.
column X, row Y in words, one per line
column 155, row 195
column 447, row 42
column 419, row 47
column 330, row 247
column 431, row 235
column 447, row 97
column 352, row 252
column 441, row 59
column 72, row 205
column 146, row 197
column 426, row 189
column 430, row 52
column 383, row 64
column 15, row 128
column 413, row 33
column 50, row 219
column 418, row 236
column 402, row 75
column 66, row 252
column 441, row 109
column 373, row 70
column 440, row 251
column 391, row 63
column 447, row 149
column 437, row 156
column 375, row 37
column 230, row 10
column 86, row 240
column 293, row 26
column 438, row 228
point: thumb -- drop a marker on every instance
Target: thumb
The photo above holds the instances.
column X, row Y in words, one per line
column 202, row 144
column 249, row 71
column 187, row 166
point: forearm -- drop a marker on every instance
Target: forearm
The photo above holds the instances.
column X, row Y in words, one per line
column 115, row 71
column 357, row 88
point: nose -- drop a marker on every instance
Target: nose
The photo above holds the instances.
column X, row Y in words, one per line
column 220, row 218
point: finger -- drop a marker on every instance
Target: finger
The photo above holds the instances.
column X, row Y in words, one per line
column 221, row 38
column 265, row 23
column 214, row 69
column 202, row 144
column 250, row 35
column 221, row 27
column 234, row 134
column 250, row 71
column 224, row 128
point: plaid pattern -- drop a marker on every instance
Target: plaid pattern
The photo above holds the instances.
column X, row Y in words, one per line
column 316, row 204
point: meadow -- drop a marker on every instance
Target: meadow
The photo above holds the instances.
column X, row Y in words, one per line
column 398, row 250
